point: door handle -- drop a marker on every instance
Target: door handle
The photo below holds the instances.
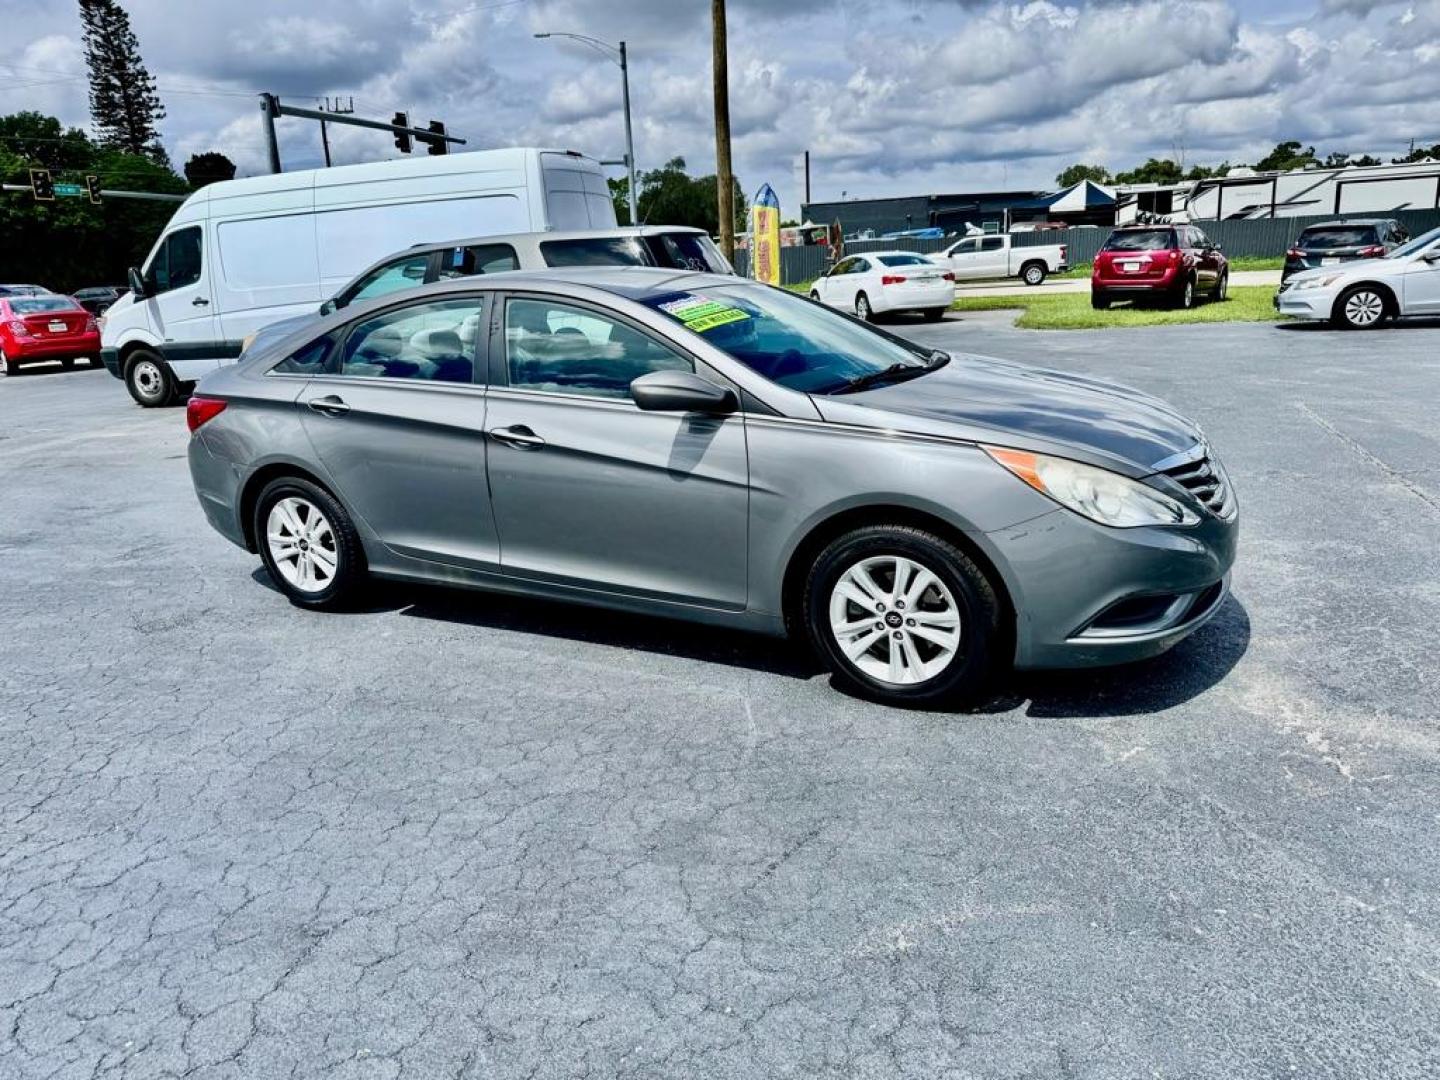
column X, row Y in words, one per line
column 330, row 405
column 519, row 436
column 199, row 301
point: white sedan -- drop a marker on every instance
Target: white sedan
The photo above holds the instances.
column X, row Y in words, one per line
column 1359, row 295
column 880, row 282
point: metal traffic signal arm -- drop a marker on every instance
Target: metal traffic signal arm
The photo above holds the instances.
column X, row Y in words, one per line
column 43, row 188
column 433, row 137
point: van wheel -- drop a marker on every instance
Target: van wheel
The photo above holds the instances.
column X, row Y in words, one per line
column 1033, row 273
column 149, row 380
column 308, row 544
column 903, row 617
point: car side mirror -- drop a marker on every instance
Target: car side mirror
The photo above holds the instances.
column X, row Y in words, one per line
column 1432, row 256
column 681, row 391
column 137, row 283
column 329, row 307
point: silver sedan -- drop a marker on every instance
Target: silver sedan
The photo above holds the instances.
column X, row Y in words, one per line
column 716, row 450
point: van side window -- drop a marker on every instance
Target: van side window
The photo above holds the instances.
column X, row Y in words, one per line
column 177, row 263
column 404, row 273
column 477, row 259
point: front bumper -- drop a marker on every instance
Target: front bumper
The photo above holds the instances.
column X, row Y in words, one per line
column 1069, row 577
column 1305, row 303
column 111, row 359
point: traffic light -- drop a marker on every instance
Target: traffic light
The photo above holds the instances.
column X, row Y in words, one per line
column 92, row 185
column 402, row 138
column 437, row 145
column 42, row 186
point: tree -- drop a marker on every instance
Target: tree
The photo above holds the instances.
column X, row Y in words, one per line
column 670, row 196
column 1154, row 171
column 123, row 103
column 207, row 168
column 43, row 140
column 1286, row 156
column 1418, row 153
column 1073, row 174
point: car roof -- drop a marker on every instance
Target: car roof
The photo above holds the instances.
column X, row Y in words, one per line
column 559, row 234
column 897, row 251
column 1352, row 221
column 630, row 282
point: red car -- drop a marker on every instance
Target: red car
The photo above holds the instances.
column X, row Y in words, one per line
column 1176, row 264
column 48, row 327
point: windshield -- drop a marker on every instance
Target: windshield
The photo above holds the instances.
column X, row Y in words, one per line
column 904, row 260
column 1326, row 239
column 42, row 304
column 786, row 338
column 1141, row 240
column 1420, row 243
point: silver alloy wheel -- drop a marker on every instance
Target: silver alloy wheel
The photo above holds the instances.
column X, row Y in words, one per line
column 302, row 543
column 1224, row 288
column 5, row 363
column 895, row 620
column 862, row 307
column 1034, row 275
column 1364, row 308
column 148, row 378
column 1187, row 299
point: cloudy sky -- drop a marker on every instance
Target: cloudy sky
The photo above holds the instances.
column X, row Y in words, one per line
column 889, row 96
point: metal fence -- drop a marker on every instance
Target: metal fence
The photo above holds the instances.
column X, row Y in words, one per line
column 1265, row 238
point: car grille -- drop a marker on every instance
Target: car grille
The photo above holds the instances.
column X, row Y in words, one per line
column 1206, row 480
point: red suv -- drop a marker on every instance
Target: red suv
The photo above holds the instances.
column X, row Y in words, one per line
column 46, row 327
column 1173, row 263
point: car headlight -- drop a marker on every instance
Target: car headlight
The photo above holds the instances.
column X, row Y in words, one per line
column 1317, row 283
column 1098, row 494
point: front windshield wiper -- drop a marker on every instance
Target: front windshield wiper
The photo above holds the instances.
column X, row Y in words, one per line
column 894, row 373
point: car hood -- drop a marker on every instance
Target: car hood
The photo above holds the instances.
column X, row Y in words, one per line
column 987, row 400
column 1360, row 267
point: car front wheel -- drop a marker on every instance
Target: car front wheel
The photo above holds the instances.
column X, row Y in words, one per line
column 903, row 617
column 1360, row 308
column 308, row 544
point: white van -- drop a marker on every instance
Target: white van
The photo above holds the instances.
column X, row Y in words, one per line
column 242, row 254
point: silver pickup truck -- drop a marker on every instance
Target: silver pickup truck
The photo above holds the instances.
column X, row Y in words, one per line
column 995, row 256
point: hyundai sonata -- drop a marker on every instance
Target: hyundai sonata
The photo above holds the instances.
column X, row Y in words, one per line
column 717, row 450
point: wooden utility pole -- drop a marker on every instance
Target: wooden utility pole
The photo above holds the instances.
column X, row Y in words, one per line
column 724, row 178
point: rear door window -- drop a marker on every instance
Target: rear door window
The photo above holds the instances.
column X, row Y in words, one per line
column 428, row 342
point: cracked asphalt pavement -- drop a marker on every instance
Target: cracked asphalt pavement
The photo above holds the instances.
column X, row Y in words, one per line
column 459, row 836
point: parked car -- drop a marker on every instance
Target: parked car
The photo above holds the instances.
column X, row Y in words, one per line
column 1335, row 242
column 1363, row 293
column 24, row 290
column 97, row 298
column 242, row 254
column 676, row 246
column 1174, row 264
column 716, row 450
column 46, row 327
column 885, row 282
column 996, row 256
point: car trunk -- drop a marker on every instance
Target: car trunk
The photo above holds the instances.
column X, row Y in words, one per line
column 1139, row 266
column 67, row 322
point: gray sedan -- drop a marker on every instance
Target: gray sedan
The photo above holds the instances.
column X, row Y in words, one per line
column 705, row 448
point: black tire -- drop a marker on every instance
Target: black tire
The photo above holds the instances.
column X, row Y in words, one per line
column 977, row 657
column 349, row 555
column 1184, row 298
column 934, row 314
column 149, row 379
column 96, row 362
column 1033, row 273
column 1361, row 307
column 863, row 310
column 10, row 365
column 67, row 363
column 1222, row 288
column 815, row 296
column 1099, row 303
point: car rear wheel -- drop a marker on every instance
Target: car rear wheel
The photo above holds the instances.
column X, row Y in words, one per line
column 1222, row 286
column 67, row 362
column 903, row 617
column 1185, row 297
column 9, row 365
column 863, row 310
column 1360, row 308
column 934, row 314
column 308, row 543
column 1099, row 303
column 1033, row 273
column 148, row 379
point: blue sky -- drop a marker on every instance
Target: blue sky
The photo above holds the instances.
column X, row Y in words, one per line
column 890, row 96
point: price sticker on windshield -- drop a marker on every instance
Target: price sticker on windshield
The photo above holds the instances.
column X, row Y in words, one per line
column 700, row 314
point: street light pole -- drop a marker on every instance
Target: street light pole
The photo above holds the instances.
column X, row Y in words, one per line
column 619, row 55
column 629, row 140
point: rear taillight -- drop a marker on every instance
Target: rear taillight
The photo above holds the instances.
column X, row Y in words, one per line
column 91, row 326
column 1295, row 253
column 1174, row 255
column 948, row 276
column 892, row 279
column 1064, row 252
column 18, row 328
column 201, row 410
column 1372, row 252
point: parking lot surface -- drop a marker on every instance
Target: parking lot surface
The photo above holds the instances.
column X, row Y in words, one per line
column 459, row 836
